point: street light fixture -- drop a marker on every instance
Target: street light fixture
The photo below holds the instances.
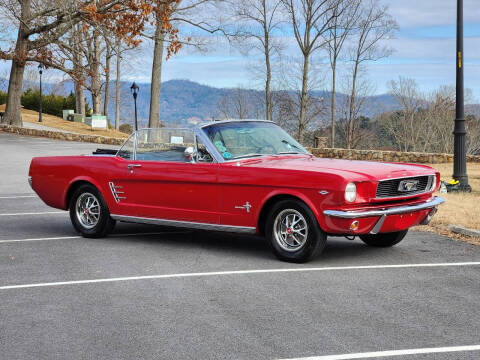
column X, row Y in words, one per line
column 134, row 88
column 40, row 71
column 460, row 132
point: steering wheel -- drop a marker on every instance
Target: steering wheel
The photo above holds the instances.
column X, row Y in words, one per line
column 268, row 146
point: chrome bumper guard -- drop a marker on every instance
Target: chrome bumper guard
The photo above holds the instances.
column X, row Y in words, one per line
column 383, row 213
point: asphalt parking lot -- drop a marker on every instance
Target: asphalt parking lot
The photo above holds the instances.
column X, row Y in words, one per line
column 156, row 293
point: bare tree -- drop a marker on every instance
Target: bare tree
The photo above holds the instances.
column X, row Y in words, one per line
column 188, row 12
column 473, row 135
column 41, row 23
column 118, row 47
column 238, row 103
column 340, row 30
column 374, row 25
column 310, row 23
column 289, row 101
column 260, row 19
column 402, row 125
column 109, row 52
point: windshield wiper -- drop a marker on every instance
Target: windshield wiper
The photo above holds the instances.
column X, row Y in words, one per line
column 289, row 152
column 292, row 145
column 248, row 155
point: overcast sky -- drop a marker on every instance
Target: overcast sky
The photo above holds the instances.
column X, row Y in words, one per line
column 425, row 50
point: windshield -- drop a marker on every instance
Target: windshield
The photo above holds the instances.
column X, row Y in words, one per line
column 236, row 140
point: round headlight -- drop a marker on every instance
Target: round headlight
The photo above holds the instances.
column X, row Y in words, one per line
column 350, row 192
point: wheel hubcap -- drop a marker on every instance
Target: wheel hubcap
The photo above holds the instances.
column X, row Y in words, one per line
column 290, row 230
column 88, row 210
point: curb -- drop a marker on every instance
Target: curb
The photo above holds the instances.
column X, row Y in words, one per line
column 464, row 231
column 66, row 136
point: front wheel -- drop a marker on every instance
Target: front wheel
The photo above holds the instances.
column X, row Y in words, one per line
column 89, row 212
column 385, row 239
column 293, row 232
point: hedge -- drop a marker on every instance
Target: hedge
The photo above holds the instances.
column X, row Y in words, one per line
column 3, row 97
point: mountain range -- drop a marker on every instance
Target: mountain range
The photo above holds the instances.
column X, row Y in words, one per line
column 184, row 102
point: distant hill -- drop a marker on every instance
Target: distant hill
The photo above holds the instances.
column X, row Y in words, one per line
column 184, row 101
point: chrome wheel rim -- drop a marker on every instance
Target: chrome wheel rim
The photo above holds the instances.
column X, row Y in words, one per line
column 290, row 230
column 87, row 209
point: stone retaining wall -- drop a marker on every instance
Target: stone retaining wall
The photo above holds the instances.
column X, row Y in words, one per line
column 62, row 136
column 388, row 156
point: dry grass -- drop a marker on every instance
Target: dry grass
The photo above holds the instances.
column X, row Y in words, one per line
column 58, row 123
column 459, row 208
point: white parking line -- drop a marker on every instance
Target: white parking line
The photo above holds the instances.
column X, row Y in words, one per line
column 375, row 354
column 36, row 213
column 235, row 272
column 40, row 239
column 79, row 237
column 18, row 197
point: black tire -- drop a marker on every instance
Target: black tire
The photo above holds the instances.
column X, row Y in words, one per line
column 313, row 241
column 103, row 225
column 385, row 239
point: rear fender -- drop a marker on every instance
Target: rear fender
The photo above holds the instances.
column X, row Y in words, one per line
column 76, row 180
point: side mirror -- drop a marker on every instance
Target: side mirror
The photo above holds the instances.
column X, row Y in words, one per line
column 190, row 154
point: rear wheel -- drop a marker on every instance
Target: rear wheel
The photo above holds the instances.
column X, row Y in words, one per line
column 385, row 239
column 89, row 212
column 293, row 232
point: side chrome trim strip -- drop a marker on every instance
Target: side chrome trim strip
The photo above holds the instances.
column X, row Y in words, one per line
column 185, row 224
column 434, row 202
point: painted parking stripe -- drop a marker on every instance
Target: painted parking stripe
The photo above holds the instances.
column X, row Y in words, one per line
column 376, row 354
column 36, row 213
column 234, row 272
column 18, row 197
column 79, row 237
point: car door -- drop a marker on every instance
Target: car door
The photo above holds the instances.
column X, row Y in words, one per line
column 163, row 184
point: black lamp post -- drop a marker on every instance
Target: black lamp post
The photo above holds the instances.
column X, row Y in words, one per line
column 460, row 132
column 40, row 71
column 135, row 89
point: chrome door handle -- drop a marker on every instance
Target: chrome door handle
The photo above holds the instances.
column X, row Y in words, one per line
column 131, row 166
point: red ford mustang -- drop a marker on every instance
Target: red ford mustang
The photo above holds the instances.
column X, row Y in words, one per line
column 238, row 176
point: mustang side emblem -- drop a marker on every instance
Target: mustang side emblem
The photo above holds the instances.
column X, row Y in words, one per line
column 247, row 207
column 116, row 192
column 408, row 185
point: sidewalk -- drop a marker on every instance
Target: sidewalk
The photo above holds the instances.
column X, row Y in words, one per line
column 38, row 126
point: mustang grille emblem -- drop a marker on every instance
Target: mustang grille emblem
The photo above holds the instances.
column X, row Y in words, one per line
column 407, row 185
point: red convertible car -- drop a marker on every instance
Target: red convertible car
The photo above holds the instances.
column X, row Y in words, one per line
column 238, row 176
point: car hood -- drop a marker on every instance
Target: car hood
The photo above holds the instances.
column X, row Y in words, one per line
column 353, row 169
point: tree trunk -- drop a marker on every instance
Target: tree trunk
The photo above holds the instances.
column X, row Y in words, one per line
column 156, row 85
column 268, row 95
column 303, row 100
column 13, row 109
column 79, row 98
column 117, row 87
column 95, row 78
column 107, row 80
column 351, row 114
column 334, row 73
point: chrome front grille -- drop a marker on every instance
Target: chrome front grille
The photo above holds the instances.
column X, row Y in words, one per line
column 393, row 188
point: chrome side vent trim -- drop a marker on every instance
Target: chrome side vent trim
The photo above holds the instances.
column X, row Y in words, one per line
column 116, row 193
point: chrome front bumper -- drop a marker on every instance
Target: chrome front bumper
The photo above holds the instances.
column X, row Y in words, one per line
column 383, row 213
